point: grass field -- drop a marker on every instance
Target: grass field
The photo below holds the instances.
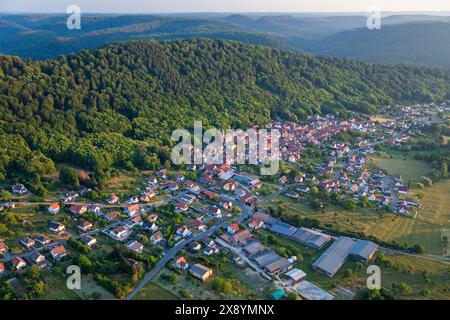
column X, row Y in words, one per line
column 380, row 119
column 56, row 288
column 153, row 291
column 407, row 166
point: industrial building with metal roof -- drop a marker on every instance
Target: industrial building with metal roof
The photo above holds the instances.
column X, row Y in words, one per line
column 364, row 249
column 334, row 257
column 283, row 228
column 311, row 238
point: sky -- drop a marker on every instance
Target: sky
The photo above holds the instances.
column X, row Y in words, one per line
column 178, row 6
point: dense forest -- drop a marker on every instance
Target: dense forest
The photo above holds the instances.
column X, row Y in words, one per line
column 115, row 107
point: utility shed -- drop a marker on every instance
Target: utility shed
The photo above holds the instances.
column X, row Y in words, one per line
column 334, row 257
column 364, row 249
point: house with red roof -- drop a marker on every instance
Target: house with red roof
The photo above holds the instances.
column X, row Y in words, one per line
column 18, row 263
column 58, row 252
column 233, row 228
column 54, row 208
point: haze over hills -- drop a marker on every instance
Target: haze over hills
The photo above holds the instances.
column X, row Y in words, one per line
column 115, row 107
column 416, row 43
column 46, row 36
column 42, row 36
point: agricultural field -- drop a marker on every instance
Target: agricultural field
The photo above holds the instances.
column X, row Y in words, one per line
column 433, row 218
column 398, row 163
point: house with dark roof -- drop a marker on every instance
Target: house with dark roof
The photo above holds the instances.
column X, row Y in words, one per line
column 200, row 271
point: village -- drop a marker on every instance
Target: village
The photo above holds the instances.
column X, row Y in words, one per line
column 180, row 223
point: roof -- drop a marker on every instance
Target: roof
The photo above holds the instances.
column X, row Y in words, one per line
column 2, row 266
column 3, row 246
column 181, row 260
column 86, row 239
column 59, row 250
column 278, row 264
column 36, row 255
column 199, row 269
column 283, row 229
column 242, row 236
column 55, row 224
column 77, row 208
column 311, row 238
column 134, row 207
column 264, row 217
column 253, row 248
column 364, row 249
column 266, row 257
column 334, row 257
column 135, row 245
column 54, row 206
column 157, row 235
column 295, row 274
column 234, row 227
column 119, row 229
column 16, row 260
column 310, row 291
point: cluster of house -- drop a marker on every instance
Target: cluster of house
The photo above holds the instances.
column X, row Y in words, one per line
column 196, row 269
column 17, row 263
column 417, row 114
column 318, row 131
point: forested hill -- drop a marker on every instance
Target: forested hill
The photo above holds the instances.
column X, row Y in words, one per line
column 116, row 106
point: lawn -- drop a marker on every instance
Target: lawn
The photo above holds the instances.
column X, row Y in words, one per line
column 397, row 163
column 56, row 288
column 153, row 291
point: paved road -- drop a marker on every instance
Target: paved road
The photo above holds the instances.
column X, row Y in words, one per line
column 276, row 194
column 172, row 253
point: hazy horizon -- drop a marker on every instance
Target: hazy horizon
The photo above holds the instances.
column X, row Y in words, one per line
column 229, row 6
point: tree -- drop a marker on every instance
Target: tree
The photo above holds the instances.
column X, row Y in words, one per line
column 39, row 288
column 222, row 285
column 349, row 204
column 69, row 177
column 35, row 272
column 417, row 248
column 6, row 196
column 364, row 202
